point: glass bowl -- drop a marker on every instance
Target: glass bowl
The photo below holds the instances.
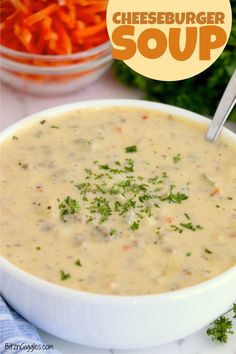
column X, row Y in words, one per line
column 53, row 74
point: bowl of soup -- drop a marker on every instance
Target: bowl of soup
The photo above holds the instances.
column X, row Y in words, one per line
column 118, row 225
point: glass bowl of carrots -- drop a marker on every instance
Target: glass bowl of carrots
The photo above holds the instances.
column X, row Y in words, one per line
column 51, row 47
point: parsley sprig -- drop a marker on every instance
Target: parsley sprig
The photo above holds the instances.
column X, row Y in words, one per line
column 222, row 327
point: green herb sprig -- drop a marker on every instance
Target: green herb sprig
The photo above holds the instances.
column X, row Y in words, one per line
column 68, row 207
column 174, row 197
column 78, row 263
column 131, row 149
column 191, row 227
column 64, row 276
column 222, row 327
column 176, row 158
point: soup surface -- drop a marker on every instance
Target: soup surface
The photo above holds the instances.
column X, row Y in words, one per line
column 118, row 201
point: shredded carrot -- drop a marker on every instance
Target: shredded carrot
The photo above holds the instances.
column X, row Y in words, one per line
column 53, row 27
column 119, row 130
column 127, row 247
column 187, row 272
column 145, row 117
column 98, row 7
column 90, row 31
column 65, row 46
column 46, row 26
column 90, row 18
column 39, row 16
column 216, row 192
column 25, row 37
column 169, row 219
column 19, row 5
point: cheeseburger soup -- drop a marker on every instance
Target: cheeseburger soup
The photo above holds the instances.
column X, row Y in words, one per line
column 118, row 201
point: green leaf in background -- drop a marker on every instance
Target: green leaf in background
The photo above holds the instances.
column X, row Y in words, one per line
column 200, row 93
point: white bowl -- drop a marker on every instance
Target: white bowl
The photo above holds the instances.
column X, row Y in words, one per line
column 110, row 321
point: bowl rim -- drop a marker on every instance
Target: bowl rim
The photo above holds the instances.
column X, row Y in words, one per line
column 57, row 57
column 55, row 70
column 62, row 291
column 96, row 57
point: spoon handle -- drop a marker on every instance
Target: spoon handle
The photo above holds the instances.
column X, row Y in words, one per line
column 223, row 111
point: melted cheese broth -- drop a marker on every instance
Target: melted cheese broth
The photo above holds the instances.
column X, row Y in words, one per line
column 118, row 201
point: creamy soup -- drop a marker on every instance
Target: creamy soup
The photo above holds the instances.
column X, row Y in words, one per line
column 118, row 201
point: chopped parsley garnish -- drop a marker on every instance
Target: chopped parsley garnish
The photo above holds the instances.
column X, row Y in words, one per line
column 165, row 175
column 131, row 149
column 174, row 198
column 155, row 180
column 104, row 167
column 191, row 227
column 127, row 205
column 129, row 165
column 208, row 251
column 23, row 165
column 113, row 232
column 64, row 275
column 70, row 206
column 176, row 228
column 84, row 188
column 78, row 263
column 134, row 226
column 101, row 206
column 145, row 197
column 14, row 137
column 188, row 254
column 43, row 121
column 176, row 158
column 38, row 248
column 103, row 196
column 54, row 127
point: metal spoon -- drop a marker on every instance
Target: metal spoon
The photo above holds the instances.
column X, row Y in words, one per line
column 226, row 105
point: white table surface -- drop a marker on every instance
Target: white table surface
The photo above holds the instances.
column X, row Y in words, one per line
column 16, row 105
